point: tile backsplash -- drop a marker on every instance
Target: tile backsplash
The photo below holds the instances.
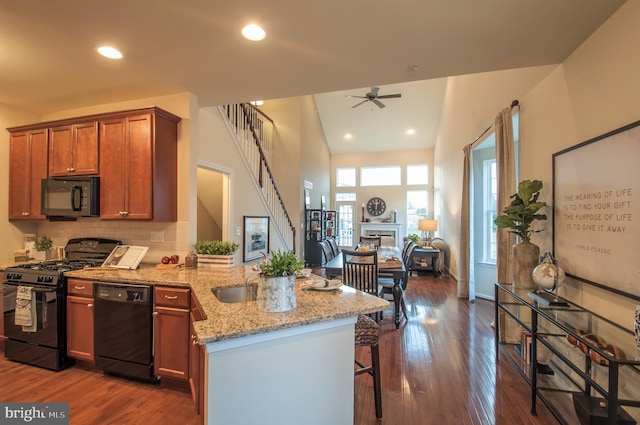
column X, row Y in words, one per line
column 169, row 238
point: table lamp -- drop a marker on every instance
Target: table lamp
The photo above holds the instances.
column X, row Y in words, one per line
column 427, row 227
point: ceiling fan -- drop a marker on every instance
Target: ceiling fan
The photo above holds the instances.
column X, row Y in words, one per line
column 372, row 96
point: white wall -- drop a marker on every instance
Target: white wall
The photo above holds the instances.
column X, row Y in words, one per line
column 597, row 89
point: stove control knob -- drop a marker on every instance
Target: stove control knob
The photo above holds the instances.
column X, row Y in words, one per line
column 40, row 278
column 48, row 279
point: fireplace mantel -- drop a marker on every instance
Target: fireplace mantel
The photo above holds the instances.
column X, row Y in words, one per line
column 373, row 228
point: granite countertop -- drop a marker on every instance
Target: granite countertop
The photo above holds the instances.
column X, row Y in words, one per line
column 227, row 321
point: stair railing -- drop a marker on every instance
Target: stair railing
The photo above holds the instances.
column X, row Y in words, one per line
column 253, row 132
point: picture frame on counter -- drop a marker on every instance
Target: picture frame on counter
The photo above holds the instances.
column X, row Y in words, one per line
column 256, row 237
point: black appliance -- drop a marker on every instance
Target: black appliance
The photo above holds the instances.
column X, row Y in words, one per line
column 123, row 329
column 47, row 345
column 78, row 197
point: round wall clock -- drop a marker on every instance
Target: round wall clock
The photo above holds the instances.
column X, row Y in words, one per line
column 376, row 206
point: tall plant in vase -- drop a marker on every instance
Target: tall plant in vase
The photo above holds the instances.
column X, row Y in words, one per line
column 518, row 218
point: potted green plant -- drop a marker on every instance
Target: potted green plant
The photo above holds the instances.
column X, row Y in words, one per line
column 413, row 237
column 276, row 284
column 518, row 218
column 215, row 253
column 43, row 248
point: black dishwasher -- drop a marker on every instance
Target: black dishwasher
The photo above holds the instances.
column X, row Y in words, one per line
column 123, row 329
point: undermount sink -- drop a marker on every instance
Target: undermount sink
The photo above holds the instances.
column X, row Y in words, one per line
column 236, row 294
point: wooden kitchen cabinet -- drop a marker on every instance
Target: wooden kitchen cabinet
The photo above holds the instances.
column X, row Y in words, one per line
column 73, row 150
column 171, row 332
column 80, row 319
column 138, row 166
column 197, row 356
column 27, row 167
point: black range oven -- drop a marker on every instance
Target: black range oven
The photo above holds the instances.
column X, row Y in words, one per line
column 43, row 340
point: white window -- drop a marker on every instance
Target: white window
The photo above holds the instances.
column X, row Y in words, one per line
column 345, row 196
column 380, row 176
column 345, row 224
column 490, row 182
column 417, row 174
column 345, row 177
column 417, row 208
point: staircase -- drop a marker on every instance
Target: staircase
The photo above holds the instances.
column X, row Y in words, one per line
column 253, row 134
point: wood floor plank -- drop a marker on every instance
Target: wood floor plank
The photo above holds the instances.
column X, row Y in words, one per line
column 438, row 368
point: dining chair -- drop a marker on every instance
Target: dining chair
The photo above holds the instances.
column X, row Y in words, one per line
column 386, row 284
column 326, row 250
column 376, row 241
column 360, row 270
column 334, row 246
column 367, row 334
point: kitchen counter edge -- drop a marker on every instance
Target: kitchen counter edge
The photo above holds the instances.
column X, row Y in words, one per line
column 227, row 321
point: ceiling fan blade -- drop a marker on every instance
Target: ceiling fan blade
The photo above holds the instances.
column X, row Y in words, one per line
column 390, row 96
column 358, row 104
column 374, row 91
column 359, row 97
column 377, row 102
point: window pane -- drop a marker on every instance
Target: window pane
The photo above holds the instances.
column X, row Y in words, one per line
column 418, row 174
column 417, row 208
column 345, row 196
column 345, row 177
column 380, row 176
column 345, row 225
column 490, row 178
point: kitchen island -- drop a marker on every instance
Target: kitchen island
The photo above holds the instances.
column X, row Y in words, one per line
column 286, row 368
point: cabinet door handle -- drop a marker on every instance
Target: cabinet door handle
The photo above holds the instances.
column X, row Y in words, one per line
column 194, row 340
column 71, row 169
column 90, row 305
column 171, row 297
column 154, row 314
column 79, row 288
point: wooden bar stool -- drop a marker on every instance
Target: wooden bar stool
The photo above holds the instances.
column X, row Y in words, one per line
column 368, row 335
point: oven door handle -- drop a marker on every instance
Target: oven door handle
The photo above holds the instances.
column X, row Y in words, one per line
column 34, row 288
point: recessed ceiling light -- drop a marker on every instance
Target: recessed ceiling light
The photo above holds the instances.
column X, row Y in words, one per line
column 348, row 136
column 410, row 131
column 412, row 68
column 109, row 52
column 253, row 32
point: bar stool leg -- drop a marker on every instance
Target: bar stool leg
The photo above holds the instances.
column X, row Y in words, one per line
column 377, row 390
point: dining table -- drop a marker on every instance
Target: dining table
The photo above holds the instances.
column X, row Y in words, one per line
column 396, row 270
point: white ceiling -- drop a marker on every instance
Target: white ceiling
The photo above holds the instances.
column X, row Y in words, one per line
column 48, row 60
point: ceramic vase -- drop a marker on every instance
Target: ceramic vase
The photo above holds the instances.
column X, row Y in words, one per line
column 525, row 257
column 276, row 294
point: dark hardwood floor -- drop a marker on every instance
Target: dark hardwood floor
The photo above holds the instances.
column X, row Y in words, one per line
column 438, row 368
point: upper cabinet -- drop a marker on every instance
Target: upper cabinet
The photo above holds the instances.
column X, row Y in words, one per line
column 73, row 150
column 27, row 167
column 138, row 166
column 133, row 152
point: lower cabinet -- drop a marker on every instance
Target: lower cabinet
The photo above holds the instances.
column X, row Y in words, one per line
column 171, row 332
column 80, row 319
column 197, row 358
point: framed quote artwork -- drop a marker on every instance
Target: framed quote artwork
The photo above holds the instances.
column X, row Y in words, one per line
column 596, row 210
column 256, row 237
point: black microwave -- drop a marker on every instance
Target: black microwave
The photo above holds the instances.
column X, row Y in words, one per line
column 78, row 197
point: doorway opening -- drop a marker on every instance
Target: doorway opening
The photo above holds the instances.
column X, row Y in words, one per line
column 213, row 205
